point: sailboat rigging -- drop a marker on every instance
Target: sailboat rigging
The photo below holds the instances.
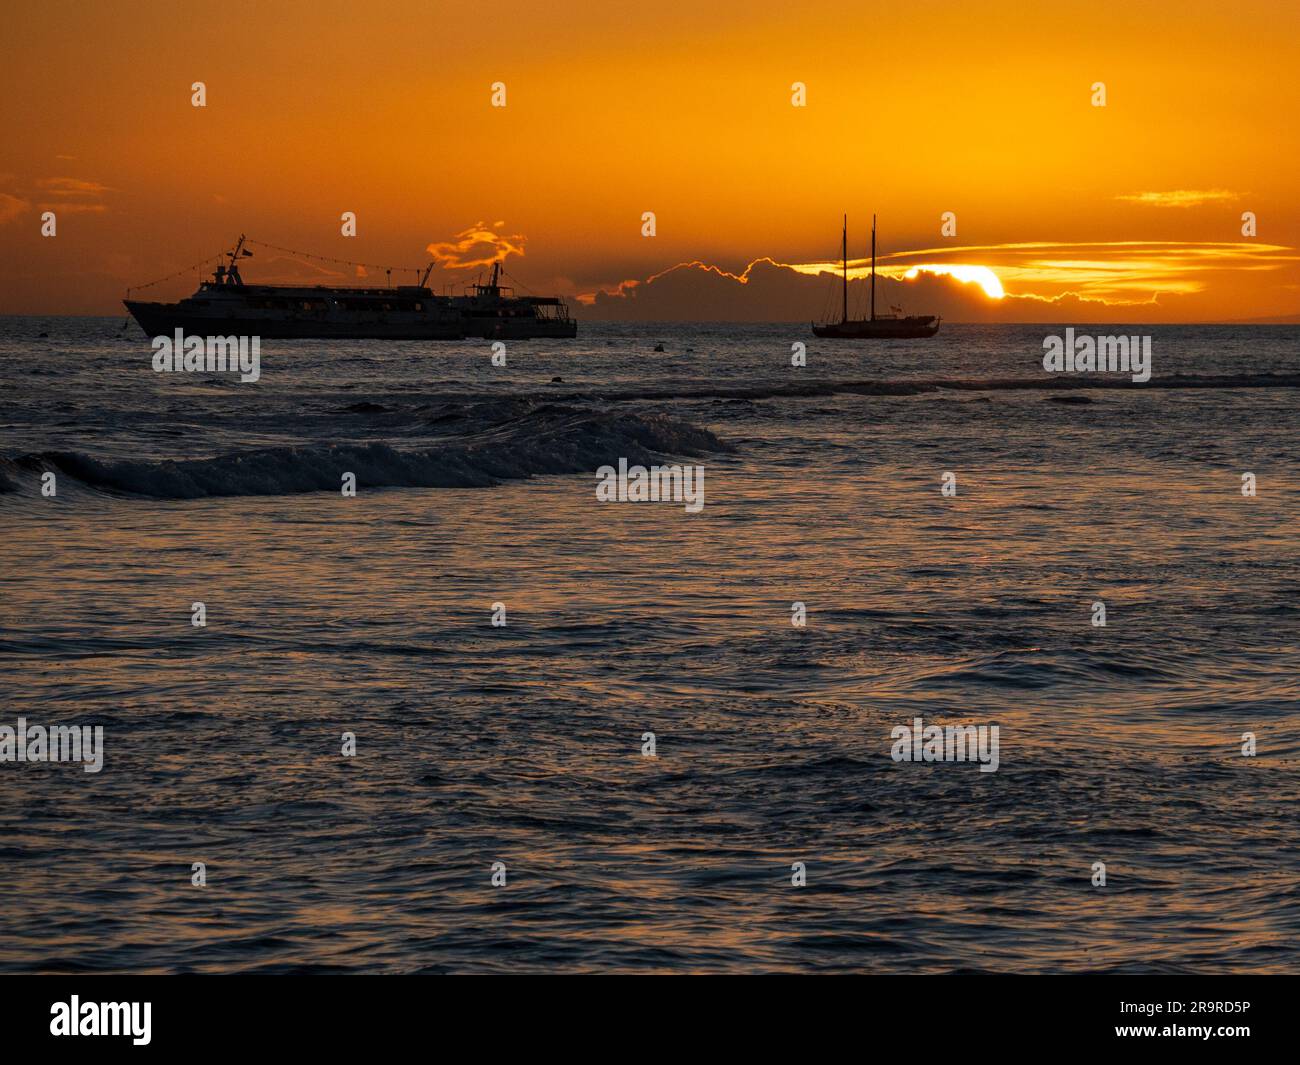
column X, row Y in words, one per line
column 886, row 326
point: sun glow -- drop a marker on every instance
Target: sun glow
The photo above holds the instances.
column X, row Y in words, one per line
column 981, row 275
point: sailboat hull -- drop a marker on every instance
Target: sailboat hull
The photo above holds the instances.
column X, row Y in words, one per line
column 908, row 328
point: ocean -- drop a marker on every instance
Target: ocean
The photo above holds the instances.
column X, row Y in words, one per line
column 501, row 812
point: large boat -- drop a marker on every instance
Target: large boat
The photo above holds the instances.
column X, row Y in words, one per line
column 226, row 305
column 493, row 312
column 878, row 326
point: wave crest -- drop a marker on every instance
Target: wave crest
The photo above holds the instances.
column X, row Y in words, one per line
column 547, row 440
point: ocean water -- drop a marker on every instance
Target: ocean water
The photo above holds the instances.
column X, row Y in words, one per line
column 522, row 744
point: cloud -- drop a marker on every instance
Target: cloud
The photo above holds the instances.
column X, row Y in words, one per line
column 69, row 186
column 1126, row 271
column 773, row 292
column 70, row 195
column 624, row 288
column 68, row 207
column 981, row 275
column 11, row 207
column 479, row 245
column 276, row 269
column 1040, row 281
column 766, row 290
column 1180, row 197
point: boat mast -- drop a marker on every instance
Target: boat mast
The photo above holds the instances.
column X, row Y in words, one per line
column 232, row 271
column 844, row 255
column 873, row 268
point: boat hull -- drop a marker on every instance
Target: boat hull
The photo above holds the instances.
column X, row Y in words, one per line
column 521, row 328
column 163, row 319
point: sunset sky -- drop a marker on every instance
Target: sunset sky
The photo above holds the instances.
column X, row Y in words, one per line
column 1130, row 211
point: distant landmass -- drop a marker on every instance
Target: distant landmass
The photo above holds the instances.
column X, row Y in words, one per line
column 1277, row 319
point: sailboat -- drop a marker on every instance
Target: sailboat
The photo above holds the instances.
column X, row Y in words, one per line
column 878, row 326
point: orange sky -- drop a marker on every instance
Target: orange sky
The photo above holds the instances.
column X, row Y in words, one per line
column 913, row 109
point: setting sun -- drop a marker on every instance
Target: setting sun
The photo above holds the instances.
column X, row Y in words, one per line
column 980, row 275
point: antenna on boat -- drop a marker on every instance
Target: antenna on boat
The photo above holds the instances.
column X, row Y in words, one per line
column 428, row 270
column 232, row 271
column 844, row 254
column 873, row 268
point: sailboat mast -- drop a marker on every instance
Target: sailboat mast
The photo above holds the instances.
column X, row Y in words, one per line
column 873, row 268
column 844, row 255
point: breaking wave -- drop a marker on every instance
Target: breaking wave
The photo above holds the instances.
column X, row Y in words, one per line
column 549, row 440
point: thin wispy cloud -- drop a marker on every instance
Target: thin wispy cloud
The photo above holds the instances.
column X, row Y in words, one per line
column 1119, row 270
column 11, row 207
column 1179, row 197
column 64, row 195
column 67, row 207
column 72, row 195
column 70, row 186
